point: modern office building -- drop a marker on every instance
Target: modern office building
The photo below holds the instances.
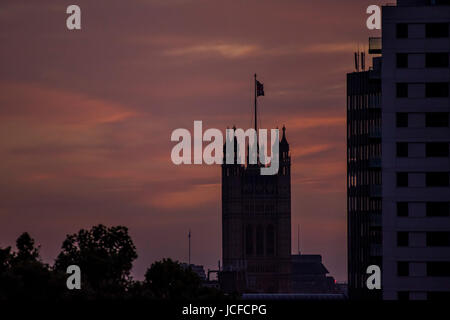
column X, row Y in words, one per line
column 415, row 163
column 363, row 177
column 415, row 150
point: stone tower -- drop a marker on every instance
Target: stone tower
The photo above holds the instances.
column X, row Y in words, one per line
column 256, row 225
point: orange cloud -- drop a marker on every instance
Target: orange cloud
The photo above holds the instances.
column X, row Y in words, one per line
column 193, row 196
column 40, row 104
column 226, row 50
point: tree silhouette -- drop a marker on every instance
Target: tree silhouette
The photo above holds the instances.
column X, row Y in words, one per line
column 24, row 276
column 105, row 257
column 171, row 280
column 26, row 250
column 167, row 279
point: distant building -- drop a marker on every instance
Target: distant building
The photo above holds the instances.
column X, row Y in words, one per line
column 364, row 201
column 256, row 226
column 342, row 287
column 293, row 296
column 199, row 270
column 309, row 275
column 256, row 231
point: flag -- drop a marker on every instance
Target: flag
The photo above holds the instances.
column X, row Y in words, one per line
column 259, row 89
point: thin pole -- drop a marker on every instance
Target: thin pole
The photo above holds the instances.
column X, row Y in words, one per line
column 256, row 123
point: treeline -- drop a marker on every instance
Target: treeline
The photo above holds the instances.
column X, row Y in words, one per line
column 105, row 257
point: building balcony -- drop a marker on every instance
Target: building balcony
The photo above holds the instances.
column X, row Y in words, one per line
column 376, row 250
column 374, row 162
column 375, row 133
column 374, row 102
column 375, row 219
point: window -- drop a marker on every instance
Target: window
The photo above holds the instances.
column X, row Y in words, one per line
column 438, row 209
column 402, row 149
column 270, row 247
column 402, row 30
column 436, row 30
column 437, row 149
column 438, row 239
column 438, row 269
column 402, row 179
column 402, row 268
column 402, row 90
column 403, row 295
column 436, row 119
column 402, row 209
column 437, row 179
column 436, row 90
column 402, row 60
column 436, row 60
column 402, row 239
column 249, row 240
column 438, row 296
column 402, row 120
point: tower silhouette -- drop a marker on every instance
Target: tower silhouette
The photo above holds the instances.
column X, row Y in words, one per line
column 256, row 226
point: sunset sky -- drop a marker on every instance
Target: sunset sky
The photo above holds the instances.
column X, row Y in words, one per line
column 86, row 116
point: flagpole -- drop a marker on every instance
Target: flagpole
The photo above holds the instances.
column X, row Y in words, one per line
column 256, row 94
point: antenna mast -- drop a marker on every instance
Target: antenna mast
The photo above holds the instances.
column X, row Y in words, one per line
column 189, row 236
